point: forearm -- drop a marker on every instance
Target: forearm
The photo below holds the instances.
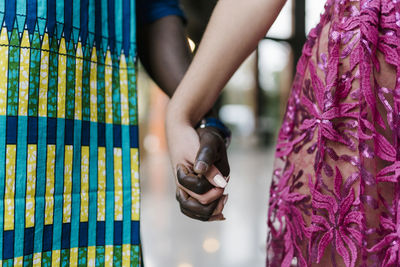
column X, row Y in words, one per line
column 234, row 31
column 164, row 52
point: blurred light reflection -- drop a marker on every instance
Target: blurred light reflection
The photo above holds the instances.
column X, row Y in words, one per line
column 151, row 143
column 240, row 117
column 314, row 8
column 211, row 245
column 273, row 58
column 191, row 44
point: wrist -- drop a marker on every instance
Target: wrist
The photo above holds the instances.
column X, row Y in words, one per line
column 176, row 114
column 218, row 127
column 213, row 113
column 182, row 113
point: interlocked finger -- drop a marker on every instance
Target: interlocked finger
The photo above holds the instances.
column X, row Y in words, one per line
column 193, row 209
column 196, row 183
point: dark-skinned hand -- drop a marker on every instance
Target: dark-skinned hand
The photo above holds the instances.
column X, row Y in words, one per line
column 200, row 192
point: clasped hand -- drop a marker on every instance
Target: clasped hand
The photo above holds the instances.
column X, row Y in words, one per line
column 201, row 166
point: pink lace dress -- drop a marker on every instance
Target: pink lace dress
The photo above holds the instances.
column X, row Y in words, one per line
column 335, row 194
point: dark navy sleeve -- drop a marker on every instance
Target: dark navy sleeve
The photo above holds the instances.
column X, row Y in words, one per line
column 149, row 11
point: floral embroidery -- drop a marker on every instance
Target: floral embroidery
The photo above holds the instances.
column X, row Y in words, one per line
column 282, row 203
column 335, row 193
column 342, row 223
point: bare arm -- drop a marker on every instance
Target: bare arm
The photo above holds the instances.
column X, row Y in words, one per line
column 164, row 51
column 234, row 31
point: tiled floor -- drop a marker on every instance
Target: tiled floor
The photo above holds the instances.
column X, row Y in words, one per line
column 173, row 240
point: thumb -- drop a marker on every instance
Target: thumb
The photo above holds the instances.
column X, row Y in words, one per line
column 207, row 153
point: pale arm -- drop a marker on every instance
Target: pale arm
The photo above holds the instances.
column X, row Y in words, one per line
column 234, row 31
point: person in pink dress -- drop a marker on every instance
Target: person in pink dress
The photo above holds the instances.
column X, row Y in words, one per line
column 335, row 192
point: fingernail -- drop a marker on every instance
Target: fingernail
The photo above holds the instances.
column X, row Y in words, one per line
column 220, row 181
column 201, row 166
column 225, row 199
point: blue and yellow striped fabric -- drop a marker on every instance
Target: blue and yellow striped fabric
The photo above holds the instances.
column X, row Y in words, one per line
column 69, row 181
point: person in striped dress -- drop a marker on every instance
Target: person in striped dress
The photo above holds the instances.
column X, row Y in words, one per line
column 69, row 160
column 69, row 181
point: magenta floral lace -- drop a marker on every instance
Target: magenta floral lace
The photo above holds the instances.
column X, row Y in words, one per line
column 335, row 194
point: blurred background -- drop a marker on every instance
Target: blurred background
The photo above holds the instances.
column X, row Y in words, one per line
column 252, row 104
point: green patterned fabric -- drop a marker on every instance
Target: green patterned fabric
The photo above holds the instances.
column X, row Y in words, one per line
column 69, row 172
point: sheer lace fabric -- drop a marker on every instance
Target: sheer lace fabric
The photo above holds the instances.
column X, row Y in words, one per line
column 335, row 194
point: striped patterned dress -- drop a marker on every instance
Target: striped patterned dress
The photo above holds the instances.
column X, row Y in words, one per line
column 69, row 184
